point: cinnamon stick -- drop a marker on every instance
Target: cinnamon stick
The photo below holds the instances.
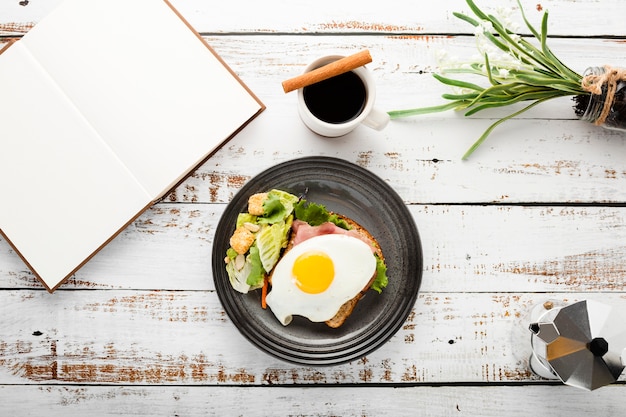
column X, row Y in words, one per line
column 327, row 71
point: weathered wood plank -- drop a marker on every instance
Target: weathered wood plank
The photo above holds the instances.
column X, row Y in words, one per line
column 184, row 338
column 144, row 311
column 466, row 249
column 489, row 401
column 542, row 166
column 556, row 159
column 327, row 16
column 402, row 65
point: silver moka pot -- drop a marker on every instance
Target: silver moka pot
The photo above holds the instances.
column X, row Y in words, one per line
column 583, row 344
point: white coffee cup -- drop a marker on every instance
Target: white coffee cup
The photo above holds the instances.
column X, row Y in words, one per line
column 368, row 114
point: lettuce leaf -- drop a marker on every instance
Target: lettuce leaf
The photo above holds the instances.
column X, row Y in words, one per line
column 237, row 277
column 245, row 218
column 256, row 272
column 275, row 224
column 273, row 210
column 270, row 241
column 381, row 280
column 248, row 278
column 277, row 207
column 316, row 214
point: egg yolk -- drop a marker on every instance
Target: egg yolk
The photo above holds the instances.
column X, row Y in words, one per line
column 313, row 272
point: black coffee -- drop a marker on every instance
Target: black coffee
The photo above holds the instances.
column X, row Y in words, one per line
column 338, row 99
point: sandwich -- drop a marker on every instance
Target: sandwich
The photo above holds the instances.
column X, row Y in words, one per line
column 306, row 260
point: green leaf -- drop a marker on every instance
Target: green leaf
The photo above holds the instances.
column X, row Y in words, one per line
column 256, row 272
column 287, row 199
column 316, row 214
column 536, row 75
column 466, row 18
column 381, row 280
column 245, row 218
column 250, row 276
column 273, row 210
column 552, row 83
column 470, row 96
column 396, row 114
column 270, row 241
column 277, row 207
column 502, row 103
column 457, row 83
column 528, row 25
column 477, row 11
column 487, row 132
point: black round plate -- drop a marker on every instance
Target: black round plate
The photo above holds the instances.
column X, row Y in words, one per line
column 353, row 191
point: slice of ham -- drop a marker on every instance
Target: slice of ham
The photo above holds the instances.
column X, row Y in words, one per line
column 302, row 231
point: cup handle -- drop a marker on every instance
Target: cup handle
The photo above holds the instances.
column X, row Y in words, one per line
column 376, row 119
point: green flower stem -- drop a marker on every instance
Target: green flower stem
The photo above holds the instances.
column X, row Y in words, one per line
column 494, row 125
column 396, row 114
column 530, row 73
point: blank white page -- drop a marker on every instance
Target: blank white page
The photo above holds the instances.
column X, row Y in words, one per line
column 107, row 104
column 145, row 81
column 64, row 191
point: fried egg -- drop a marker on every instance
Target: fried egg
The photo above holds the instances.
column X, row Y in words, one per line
column 316, row 277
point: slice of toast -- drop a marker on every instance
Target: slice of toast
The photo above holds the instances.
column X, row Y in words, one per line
column 346, row 309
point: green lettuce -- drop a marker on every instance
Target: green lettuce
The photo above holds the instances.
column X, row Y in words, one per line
column 270, row 240
column 277, row 207
column 381, row 276
column 316, row 214
column 250, row 276
column 255, row 275
column 245, row 218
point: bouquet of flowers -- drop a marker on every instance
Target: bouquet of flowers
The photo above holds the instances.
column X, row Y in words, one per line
column 520, row 71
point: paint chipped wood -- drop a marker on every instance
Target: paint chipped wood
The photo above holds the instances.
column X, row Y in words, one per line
column 537, row 214
column 170, row 337
column 567, row 17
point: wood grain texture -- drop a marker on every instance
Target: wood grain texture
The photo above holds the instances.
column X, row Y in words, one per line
column 184, row 337
column 484, row 401
column 544, row 156
column 467, row 248
column 567, row 17
column 537, row 213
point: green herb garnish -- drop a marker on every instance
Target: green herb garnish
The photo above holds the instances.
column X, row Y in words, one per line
column 316, row 214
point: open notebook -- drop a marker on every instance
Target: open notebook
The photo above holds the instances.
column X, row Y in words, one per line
column 105, row 106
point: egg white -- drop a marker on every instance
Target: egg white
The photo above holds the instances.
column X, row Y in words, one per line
column 354, row 265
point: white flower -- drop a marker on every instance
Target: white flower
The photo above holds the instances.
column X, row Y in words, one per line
column 503, row 14
column 506, row 54
column 484, row 26
column 446, row 61
column 441, row 55
column 461, row 91
column 484, row 46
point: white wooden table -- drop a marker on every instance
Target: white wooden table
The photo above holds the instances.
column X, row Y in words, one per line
column 538, row 212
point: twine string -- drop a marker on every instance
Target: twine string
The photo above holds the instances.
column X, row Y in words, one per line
column 593, row 83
